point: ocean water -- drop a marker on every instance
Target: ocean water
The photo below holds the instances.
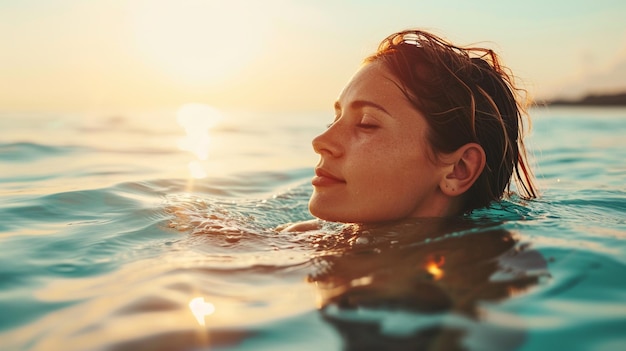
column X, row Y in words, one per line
column 155, row 231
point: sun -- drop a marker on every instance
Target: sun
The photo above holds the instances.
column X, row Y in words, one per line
column 197, row 41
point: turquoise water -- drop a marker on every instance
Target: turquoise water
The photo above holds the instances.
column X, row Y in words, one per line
column 130, row 232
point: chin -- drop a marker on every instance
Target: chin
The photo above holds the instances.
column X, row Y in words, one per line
column 331, row 216
column 323, row 213
column 332, row 211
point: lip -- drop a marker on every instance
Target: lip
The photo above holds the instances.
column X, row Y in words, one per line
column 325, row 178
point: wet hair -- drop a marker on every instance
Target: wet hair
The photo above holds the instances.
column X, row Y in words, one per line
column 466, row 96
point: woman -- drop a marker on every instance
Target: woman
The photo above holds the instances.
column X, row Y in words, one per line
column 423, row 129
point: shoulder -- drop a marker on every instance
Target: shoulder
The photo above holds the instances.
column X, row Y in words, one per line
column 304, row 226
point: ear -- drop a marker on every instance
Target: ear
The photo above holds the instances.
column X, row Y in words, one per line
column 463, row 167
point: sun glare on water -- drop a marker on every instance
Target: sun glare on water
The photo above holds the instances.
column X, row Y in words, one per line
column 200, row 309
column 197, row 120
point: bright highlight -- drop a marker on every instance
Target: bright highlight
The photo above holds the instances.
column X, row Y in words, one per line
column 201, row 309
column 434, row 268
column 197, row 120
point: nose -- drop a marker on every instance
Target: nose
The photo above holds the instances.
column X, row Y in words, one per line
column 327, row 143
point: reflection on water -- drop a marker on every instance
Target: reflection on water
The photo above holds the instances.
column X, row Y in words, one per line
column 421, row 283
column 201, row 309
column 197, row 120
column 414, row 284
column 434, row 268
column 196, row 169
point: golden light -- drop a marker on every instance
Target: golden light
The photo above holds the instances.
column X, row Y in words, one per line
column 362, row 281
column 196, row 169
column 200, row 309
column 434, row 268
column 198, row 42
column 197, row 120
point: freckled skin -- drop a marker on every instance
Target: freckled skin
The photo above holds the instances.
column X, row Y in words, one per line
column 378, row 150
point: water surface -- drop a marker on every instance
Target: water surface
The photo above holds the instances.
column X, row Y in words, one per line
column 130, row 232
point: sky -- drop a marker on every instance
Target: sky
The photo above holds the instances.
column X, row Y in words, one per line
column 281, row 55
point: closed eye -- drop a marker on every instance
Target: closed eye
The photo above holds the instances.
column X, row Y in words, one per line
column 367, row 126
column 368, row 122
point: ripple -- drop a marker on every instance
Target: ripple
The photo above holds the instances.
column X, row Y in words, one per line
column 29, row 151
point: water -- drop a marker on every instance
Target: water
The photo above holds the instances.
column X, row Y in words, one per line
column 130, row 232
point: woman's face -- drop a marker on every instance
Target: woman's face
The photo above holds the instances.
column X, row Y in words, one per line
column 375, row 162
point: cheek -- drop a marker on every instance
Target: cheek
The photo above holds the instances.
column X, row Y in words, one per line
column 404, row 169
column 385, row 170
column 394, row 156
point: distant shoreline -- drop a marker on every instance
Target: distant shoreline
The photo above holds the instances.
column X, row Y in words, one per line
column 617, row 99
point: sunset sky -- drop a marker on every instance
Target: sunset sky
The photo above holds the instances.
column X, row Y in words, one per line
column 76, row 55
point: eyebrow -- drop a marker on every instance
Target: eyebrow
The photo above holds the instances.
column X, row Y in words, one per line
column 359, row 104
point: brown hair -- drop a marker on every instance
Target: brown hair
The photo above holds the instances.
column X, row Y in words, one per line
column 466, row 96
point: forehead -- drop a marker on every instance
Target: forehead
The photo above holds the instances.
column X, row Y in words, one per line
column 374, row 82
